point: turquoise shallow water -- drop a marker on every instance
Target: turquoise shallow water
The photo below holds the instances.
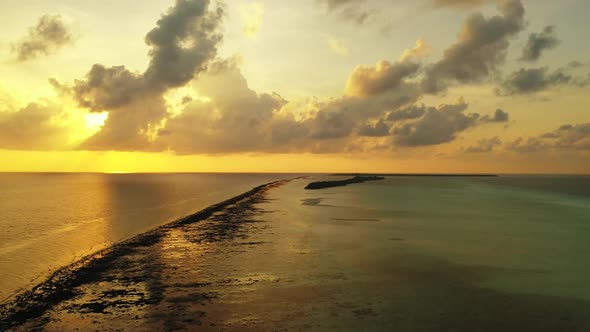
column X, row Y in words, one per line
column 531, row 233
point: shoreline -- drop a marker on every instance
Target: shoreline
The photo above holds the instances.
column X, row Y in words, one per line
column 341, row 183
column 59, row 286
column 272, row 262
column 467, row 175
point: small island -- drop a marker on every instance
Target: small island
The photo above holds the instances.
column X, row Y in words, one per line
column 341, row 183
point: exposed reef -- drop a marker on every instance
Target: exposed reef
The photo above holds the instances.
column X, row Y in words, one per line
column 66, row 284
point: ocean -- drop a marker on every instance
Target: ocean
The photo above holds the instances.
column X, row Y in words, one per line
column 531, row 232
column 49, row 220
column 406, row 253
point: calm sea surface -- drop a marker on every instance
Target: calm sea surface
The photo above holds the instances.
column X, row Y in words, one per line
column 526, row 234
column 531, row 232
column 50, row 220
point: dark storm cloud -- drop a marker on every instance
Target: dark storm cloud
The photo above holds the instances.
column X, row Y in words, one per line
column 538, row 43
column 437, row 126
column 531, row 80
column 485, row 145
column 181, row 45
column 49, row 35
column 481, row 47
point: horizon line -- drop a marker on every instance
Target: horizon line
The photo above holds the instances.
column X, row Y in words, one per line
column 305, row 173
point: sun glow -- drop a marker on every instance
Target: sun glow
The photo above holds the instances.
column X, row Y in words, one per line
column 95, row 121
column 117, row 172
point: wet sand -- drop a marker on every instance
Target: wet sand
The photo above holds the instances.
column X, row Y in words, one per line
column 267, row 261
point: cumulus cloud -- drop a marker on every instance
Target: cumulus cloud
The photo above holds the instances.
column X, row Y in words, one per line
column 532, row 80
column 570, row 137
column 419, row 51
column 49, row 35
column 499, row 116
column 32, row 127
column 368, row 80
column 538, row 43
column 521, row 145
column 235, row 118
column 183, row 42
column 181, row 45
column 566, row 137
column 437, row 126
column 408, row 113
column 480, row 48
column 232, row 117
column 485, row 145
column 379, row 129
column 215, row 111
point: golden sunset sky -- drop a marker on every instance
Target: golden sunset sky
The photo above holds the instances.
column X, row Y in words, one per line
column 295, row 86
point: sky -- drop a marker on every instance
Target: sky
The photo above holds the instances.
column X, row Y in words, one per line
column 444, row 86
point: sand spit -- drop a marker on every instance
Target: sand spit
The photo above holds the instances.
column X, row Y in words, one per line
column 67, row 283
column 342, row 183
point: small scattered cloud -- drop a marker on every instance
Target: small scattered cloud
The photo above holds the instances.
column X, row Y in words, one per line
column 252, row 16
column 349, row 10
column 498, row 117
column 338, row 47
column 538, row 43
column 459, row 4
column 485, row 145
column 421, row 50
column 533, row 80
column 45, row 38
column 566, row 137
column 521, row 145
